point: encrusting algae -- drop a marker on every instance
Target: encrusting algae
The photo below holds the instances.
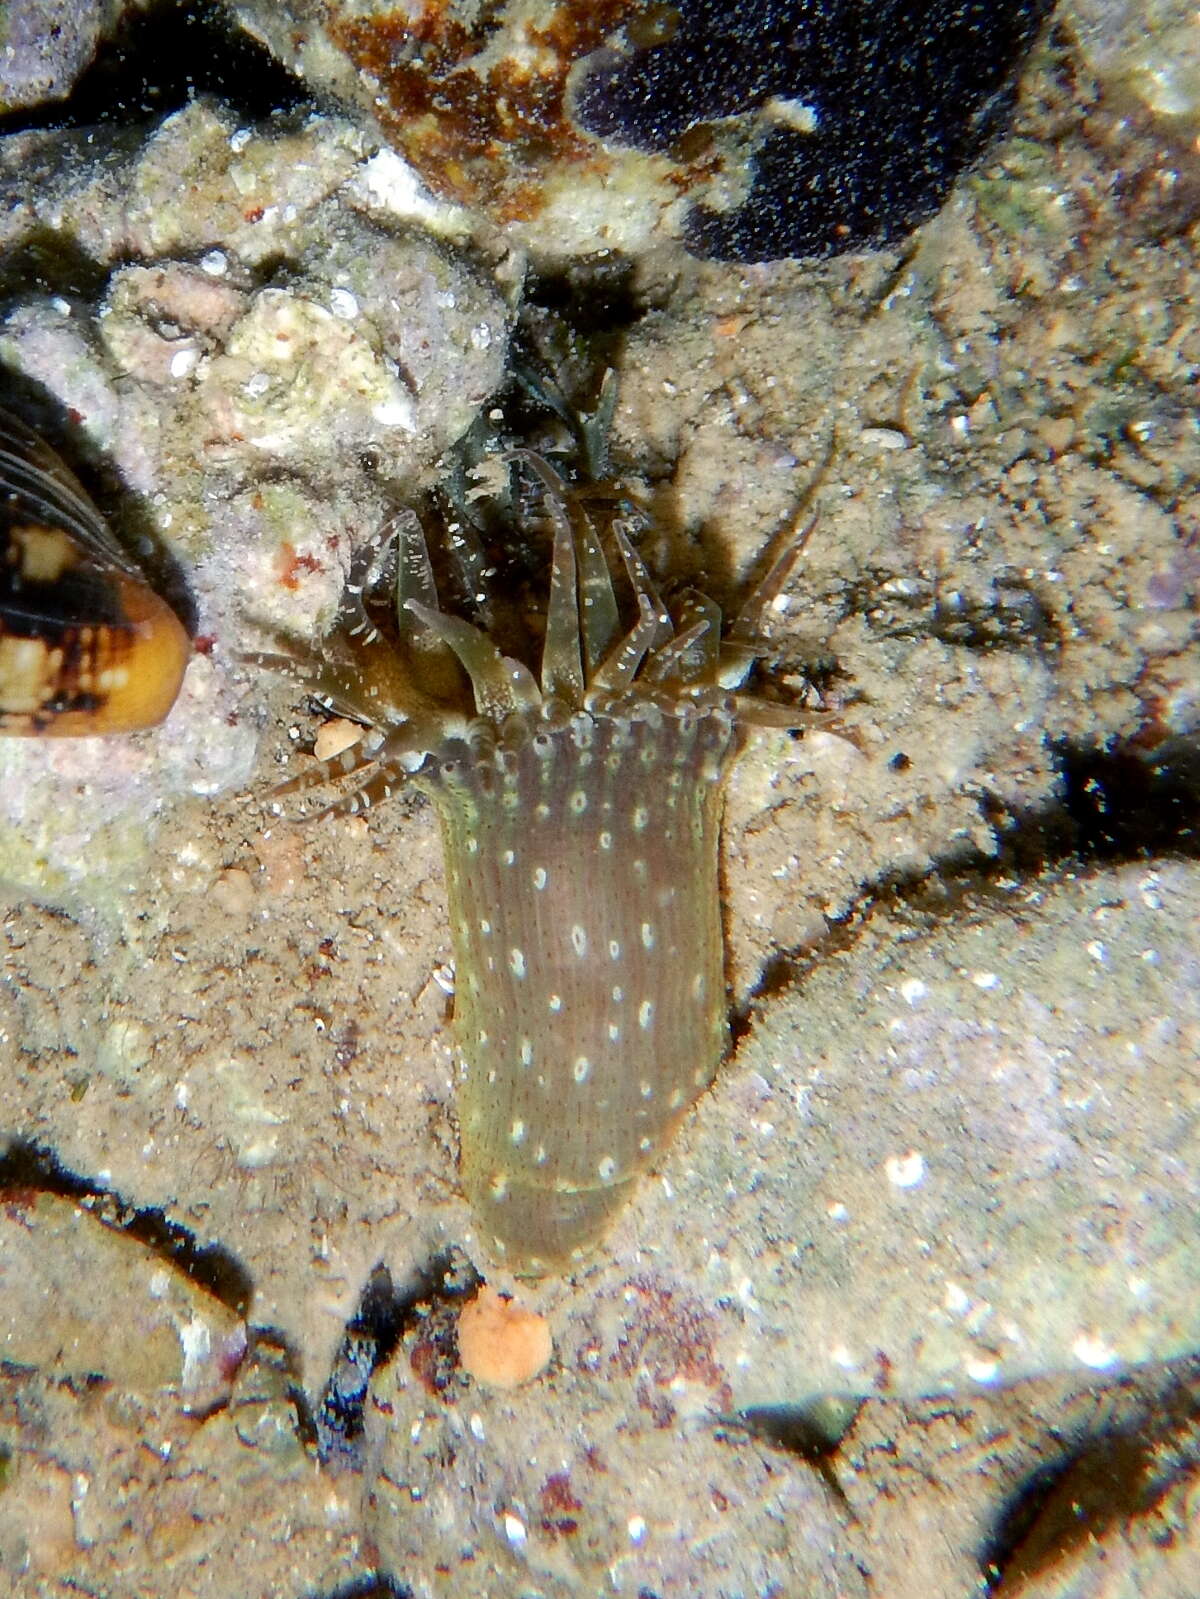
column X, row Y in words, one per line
column 580, row 811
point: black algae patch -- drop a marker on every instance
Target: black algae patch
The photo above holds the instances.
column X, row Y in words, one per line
column 856, row 118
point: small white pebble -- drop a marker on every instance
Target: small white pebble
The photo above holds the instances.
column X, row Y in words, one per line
column 343, row 304
column 636, row 1527
column 913, row 991
column 1097, row 950
column 907, row 1170
column 215, row 263
column 395, row 413
column 514, row 1529
column 884, row 438
column 980, row 1368
column 985, row 980
column 957, row 1299
column 239, row 139
column 1091, row 1350
column 475, row 1423
column 183, row 362
column 837, row 1211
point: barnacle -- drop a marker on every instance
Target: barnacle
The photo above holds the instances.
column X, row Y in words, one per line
column 86, row 645
column 580, row 808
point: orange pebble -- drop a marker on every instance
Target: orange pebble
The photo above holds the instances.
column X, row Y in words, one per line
column 500, row 1343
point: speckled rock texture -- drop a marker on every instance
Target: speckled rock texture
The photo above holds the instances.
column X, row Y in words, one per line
column 1148, row 50
column 58, row 1261
column 548, row 1496
column 949, row 1158
column 120, row 1494
column 44, row 46
column 261, row 360
column 956, row 1141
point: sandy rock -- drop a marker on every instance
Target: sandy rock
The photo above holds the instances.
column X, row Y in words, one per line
column 236, row 415
column 83, row 1299
column 44, row 47
column 574, row 1485
column 948, row 1159
column 116, row 1494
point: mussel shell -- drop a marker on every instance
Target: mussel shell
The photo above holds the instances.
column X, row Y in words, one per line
column 86, row 645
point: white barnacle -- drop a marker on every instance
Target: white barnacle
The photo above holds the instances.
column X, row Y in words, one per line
column 579, row 940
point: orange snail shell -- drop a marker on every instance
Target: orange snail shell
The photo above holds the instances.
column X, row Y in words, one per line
column 86, row 645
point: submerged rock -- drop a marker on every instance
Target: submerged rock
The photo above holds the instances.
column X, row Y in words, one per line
column 950, row 1160
column 752, row 131
column 44, row 46
column 256, row 357
column 82, row 1299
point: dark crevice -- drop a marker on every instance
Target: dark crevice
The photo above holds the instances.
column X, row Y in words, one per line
column 386, row 1312
column 1114, row 1476
column 160, row 58
column 376, row 1587
column 812, row 1432
column 27, row 1169
column 592, row 297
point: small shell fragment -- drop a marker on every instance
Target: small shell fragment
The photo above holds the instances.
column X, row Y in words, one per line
column 86, row 645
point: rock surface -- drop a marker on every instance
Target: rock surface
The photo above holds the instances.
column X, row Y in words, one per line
column 44, row 46
column 259, row 329
column 995, row 1170
column 948, row 1159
